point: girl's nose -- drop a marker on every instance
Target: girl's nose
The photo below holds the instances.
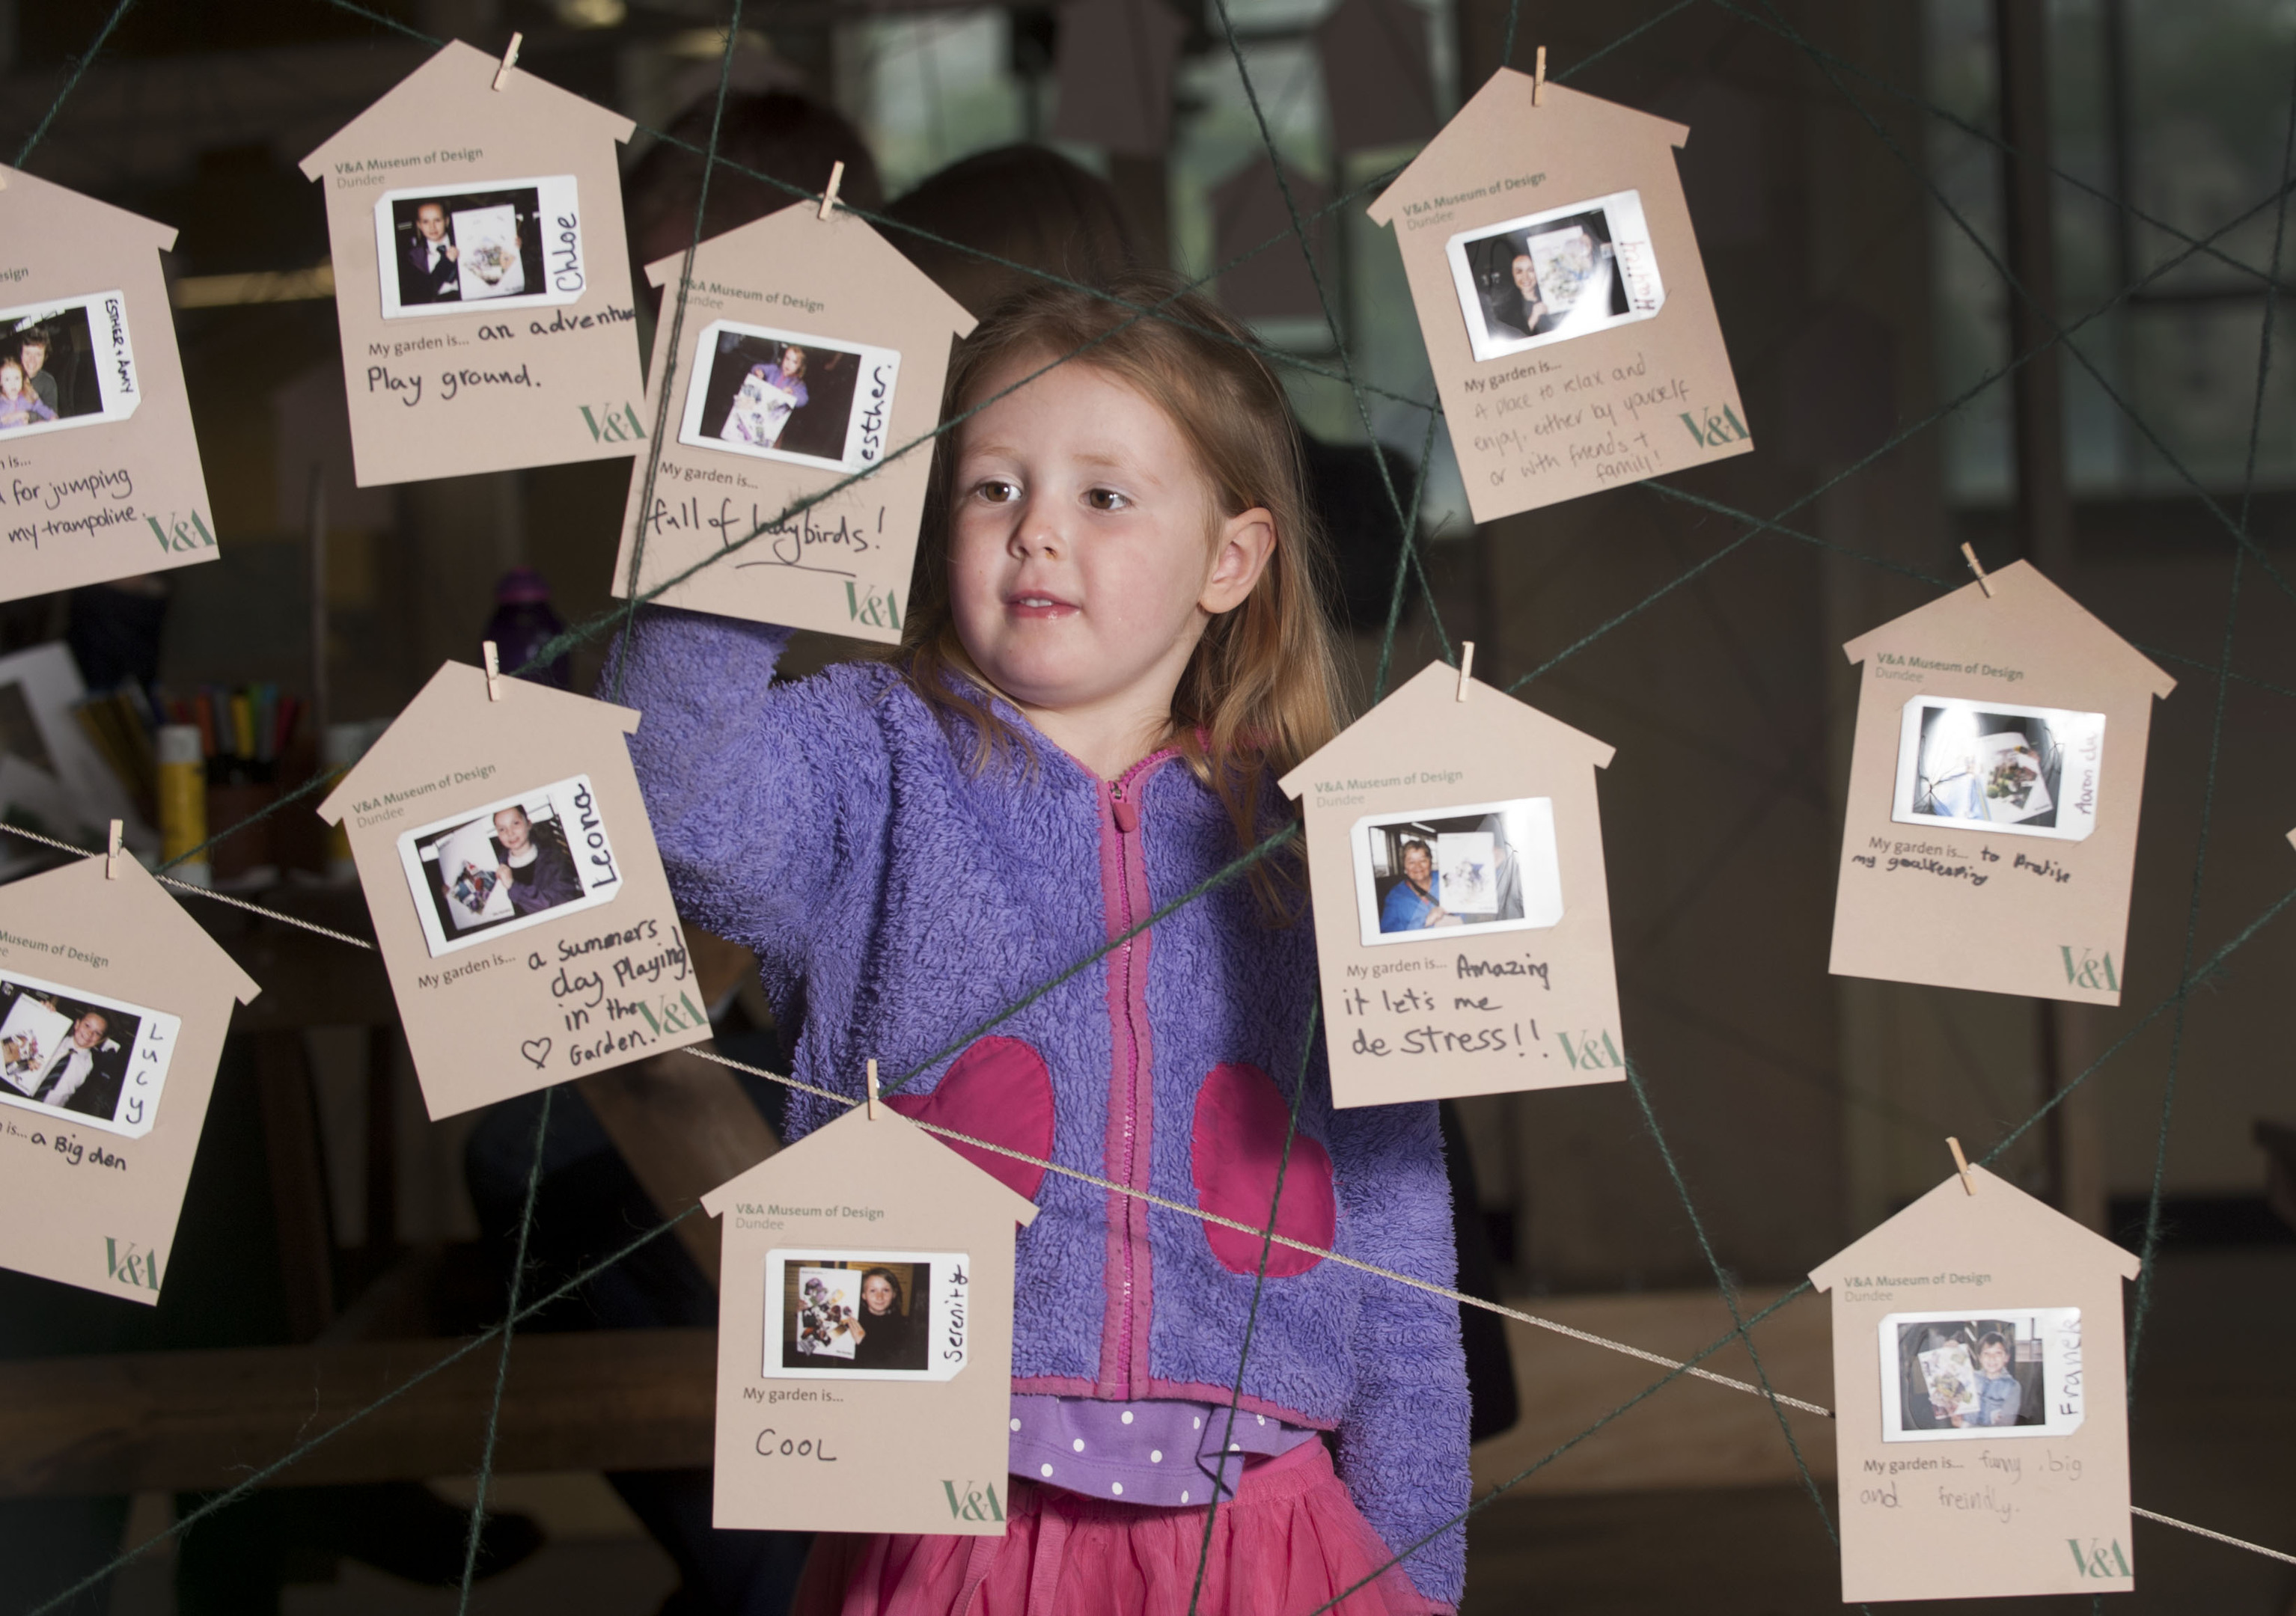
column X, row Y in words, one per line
column 1037, row 534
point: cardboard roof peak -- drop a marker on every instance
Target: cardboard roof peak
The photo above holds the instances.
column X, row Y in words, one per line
column 2022, row 591
column 1505, row 100
column 464, row 72
column 1378, row 730
column 134, row 903
column 98, row 214
column 844, row 235
column 1999, row 1207
column 921, row 1160
column 454, row 684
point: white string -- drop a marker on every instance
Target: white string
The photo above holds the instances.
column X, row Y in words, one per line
column 203, row 891
column 1461, row 1297
column 2202, row 1532
column 1198, row 1213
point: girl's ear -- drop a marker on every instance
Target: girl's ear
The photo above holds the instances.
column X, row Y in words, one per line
column 1241, row 552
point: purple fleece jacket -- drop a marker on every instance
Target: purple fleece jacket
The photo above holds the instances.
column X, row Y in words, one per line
column 897, row 899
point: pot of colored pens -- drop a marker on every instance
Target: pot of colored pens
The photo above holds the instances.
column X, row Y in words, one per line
column 243, row 733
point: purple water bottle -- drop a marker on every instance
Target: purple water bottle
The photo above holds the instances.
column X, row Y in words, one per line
column 523, row 624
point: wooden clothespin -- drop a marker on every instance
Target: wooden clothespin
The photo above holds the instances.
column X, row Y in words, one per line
column 494, row 673
column 1961, row 1165
column 1538, row 78
column 1466, row 665
column 1983, row 583
column 829, row 197
column 112, row 854
column 509, row 61
column 873, row 1064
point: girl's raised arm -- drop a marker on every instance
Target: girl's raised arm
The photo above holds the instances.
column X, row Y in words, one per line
column 748, row 784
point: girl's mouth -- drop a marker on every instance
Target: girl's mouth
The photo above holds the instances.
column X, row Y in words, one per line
column 1030, row 604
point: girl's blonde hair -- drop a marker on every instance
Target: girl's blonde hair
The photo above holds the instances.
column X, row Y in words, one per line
column 1262, row 691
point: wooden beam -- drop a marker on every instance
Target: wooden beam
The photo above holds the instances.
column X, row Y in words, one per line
column 607, row 1399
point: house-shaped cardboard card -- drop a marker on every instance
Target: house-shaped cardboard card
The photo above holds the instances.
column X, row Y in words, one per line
column 1564, row 302
column 114, row 1006
column 104, row 471
column 518, row 899
column 1463, row 921
column 791, row 478
column 1981, row 1413
column 864, row 1334
column 481, row 285
column 1994, row 784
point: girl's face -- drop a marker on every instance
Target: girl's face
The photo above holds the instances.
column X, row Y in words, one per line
column 511, row 827
column 1086, row 551
column 877, row 1293
column 792, row 362
column 1994, row 1357
column 11, row 380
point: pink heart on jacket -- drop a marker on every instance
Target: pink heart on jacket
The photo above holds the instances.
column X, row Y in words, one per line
column 1236, row 1146
column 997, row 1090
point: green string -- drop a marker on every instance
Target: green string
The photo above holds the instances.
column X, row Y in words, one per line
column 2039, row 308
column 1408, row 558
column 2151, row 1249
column 1402, row 560
column 676, row 330
column 589, row 629
column 1251, row 1315
column 502, row 1363
column 79, row 67
column 309, row 1445
column 1728, row 1289
column 485, row 1480
column 1894, row 441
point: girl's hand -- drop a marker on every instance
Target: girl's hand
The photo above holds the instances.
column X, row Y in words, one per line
column 501, row 874
column 454, row 254
column 1436, row 916
column 859, row 1333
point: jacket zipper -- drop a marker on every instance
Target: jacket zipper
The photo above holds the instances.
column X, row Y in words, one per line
column 1117, row 810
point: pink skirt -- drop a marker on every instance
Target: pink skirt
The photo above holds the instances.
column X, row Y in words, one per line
column 1289, row 1543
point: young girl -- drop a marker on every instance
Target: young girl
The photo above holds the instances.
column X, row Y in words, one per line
column 19, row 406
column 1114, row 647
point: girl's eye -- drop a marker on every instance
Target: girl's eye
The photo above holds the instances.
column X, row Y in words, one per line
column 1106, row 499
column 997, row 491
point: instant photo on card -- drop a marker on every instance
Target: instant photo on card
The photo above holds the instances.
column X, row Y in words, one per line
column 472, row 246
column 2018, row 770
column 787, row 395
column 866, row 1315
column 2007, row 1372
column 1548, row 277
column 80, row 1056
column 510, row 864
column 1444, row 873
column 66, row 363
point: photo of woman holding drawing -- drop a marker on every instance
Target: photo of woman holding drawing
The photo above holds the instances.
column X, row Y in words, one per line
column 1468, row 867
column 770, row 395
column 517, row 862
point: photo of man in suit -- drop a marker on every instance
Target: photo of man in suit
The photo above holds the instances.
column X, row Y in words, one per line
column 84, row 1075
column 429, row 272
